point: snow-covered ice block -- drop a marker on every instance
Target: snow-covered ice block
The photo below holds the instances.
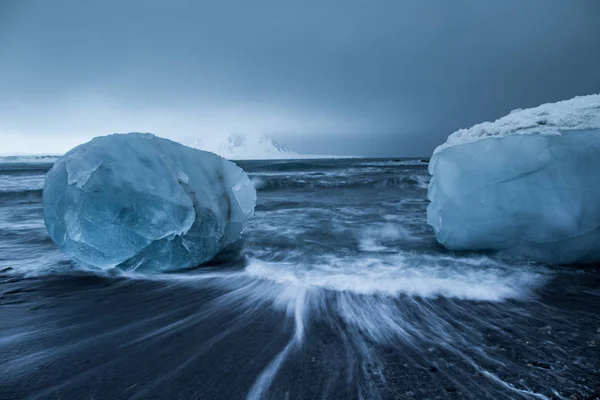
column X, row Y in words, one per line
column 138, row 201
column 528, row 183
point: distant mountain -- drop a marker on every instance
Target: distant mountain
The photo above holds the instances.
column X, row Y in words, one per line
column 245, row 147
column 232, row 147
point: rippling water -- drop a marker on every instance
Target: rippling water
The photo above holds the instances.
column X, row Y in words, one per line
column 338, row 289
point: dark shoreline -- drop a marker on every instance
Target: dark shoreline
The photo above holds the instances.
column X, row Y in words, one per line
column 84, row 336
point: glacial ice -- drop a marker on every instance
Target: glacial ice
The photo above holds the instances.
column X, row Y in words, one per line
column 527, row 184
column 141, row 202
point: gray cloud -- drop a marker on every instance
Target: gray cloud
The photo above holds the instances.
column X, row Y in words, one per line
column 361, row 77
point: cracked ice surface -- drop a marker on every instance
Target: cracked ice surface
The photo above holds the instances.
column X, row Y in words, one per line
column 529, row 192
column 138, row 201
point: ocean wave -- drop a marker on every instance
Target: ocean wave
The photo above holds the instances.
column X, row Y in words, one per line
column 269, row 183
column 38, row 159
column 24, row 195
column 327, row 164
column 382, row 236
column 282, row 166
column 399, row 162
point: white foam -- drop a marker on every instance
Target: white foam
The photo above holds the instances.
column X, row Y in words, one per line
column 422, row 180
column 472, row 278
column 257, row 182
column 376, row 237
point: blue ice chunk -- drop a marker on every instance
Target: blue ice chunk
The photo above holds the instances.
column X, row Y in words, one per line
column 527, row 183
column 529, row 194
column 138, row 201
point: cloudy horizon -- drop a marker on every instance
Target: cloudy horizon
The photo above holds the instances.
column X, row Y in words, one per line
column 382, row 78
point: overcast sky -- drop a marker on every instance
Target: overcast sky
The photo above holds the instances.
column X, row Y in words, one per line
column 369, row 77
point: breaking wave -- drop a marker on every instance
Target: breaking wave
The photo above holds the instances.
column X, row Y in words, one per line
column 270, row 183
column 477, row 278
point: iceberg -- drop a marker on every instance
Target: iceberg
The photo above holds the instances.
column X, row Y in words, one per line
column 527, row 184
column 140, row 202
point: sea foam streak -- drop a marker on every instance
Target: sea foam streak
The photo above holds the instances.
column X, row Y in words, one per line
column 477, row 278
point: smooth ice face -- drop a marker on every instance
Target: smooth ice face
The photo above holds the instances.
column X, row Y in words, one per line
column 532, row 194
column 138, row 201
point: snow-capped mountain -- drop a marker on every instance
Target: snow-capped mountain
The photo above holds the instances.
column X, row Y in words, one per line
column 244, row 147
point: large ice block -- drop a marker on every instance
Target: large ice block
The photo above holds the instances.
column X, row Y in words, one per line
column 528, row 184
column 138, row 201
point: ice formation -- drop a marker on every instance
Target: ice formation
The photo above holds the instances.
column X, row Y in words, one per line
column 138, row 201
column 528, row 183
